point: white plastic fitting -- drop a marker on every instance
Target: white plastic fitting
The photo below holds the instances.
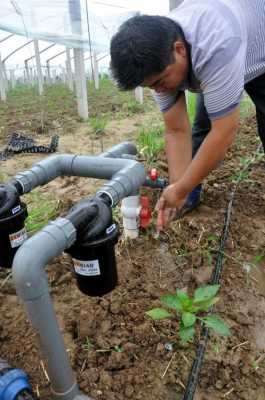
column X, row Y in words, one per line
column 130, row 209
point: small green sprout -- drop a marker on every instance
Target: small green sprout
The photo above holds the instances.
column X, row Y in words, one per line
column 189, row 308
column 98, row 125
column 87, row 346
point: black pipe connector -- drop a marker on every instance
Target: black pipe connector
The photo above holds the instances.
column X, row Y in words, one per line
column 9, row 199
column 12, row 223
column 90, row 217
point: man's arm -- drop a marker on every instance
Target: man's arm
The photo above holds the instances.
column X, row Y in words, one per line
column 178, row 139
column 212, row 151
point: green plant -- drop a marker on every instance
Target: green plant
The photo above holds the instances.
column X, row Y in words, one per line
column 242, row 172
column 151, row 141
column 98, row 125
column 41, row 210
column 189, row 308
column 87, row 346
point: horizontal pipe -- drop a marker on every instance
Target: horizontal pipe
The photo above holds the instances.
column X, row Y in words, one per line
column 126, row 176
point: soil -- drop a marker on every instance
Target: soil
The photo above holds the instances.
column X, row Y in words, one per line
column 116, row 351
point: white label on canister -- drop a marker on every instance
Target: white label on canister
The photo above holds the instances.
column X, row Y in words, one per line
column 110, row 229
column 86, row 268
column 17, row 238
column 16, row 209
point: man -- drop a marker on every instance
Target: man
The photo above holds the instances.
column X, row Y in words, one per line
column 215, row 48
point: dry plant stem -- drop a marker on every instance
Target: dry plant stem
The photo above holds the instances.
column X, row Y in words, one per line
column 240, row 345
column 229, row 392
column 5, row 280
column 170, row 362
column 44, row 371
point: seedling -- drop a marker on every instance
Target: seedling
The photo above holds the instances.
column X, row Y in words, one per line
column 242, row 173
column 150, row 142
column 98, row 125
column 41, row 211
column 87, row 346
column 190, row 309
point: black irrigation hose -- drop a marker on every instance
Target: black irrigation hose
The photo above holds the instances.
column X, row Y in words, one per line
column 197, row 364
column 19, row 143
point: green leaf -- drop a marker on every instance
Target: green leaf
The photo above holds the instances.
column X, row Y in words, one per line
column 204, row 305
column 158, row 313
column 205, row 293
column 182, row 295
column 186, row 302
column 212, row 238
column 171, row 301
column 219, row 326
column 186, row 334
column 188, row 319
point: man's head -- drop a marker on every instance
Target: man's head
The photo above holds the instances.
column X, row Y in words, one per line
column 149, row 51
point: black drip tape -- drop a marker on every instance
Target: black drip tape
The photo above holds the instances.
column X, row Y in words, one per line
column 197, row 364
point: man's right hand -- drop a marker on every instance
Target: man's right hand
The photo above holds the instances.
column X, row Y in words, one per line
column 165, row 215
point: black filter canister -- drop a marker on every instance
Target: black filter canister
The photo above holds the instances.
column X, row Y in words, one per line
column 95, row 263
column 12, row 232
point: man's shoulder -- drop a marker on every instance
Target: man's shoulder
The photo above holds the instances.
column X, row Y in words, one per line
column 200, row 18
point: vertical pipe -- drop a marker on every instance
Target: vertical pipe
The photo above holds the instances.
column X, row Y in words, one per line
column 38, row 64
column 40, row 312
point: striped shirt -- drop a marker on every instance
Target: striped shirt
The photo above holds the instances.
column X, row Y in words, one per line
column 227, row 50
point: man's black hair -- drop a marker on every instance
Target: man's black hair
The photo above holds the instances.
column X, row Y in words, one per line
column 142, row 47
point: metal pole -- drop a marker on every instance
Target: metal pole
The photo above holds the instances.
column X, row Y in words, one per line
column 80, row 83
column 27, row 74
column 96, row 74
column 12, row 78
column 48, row 72
column 7, row 37
column 5, row 75
column 38, row 65
column 2, row 82
column 17, row 49
column 80, row 77
column 68, row 67
column 41, row 51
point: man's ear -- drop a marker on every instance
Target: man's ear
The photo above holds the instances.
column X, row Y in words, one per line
column 179, row 49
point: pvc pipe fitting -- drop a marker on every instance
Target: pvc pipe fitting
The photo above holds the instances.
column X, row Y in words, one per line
column 130, row 209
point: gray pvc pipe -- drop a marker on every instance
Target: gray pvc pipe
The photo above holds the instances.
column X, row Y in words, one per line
column 120, row 150
column 32, row 287
column 126, row 175
column 28, row 266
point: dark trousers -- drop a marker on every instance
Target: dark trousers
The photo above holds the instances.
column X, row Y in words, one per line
column 202, row 123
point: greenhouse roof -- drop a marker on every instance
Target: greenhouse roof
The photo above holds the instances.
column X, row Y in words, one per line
column 72, row 23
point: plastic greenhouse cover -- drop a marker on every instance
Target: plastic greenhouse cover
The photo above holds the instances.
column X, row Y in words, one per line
column 72, row 23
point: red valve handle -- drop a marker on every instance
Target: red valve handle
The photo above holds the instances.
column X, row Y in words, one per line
column 153, row 174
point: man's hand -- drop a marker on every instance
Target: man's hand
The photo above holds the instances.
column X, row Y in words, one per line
column 170, row 202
